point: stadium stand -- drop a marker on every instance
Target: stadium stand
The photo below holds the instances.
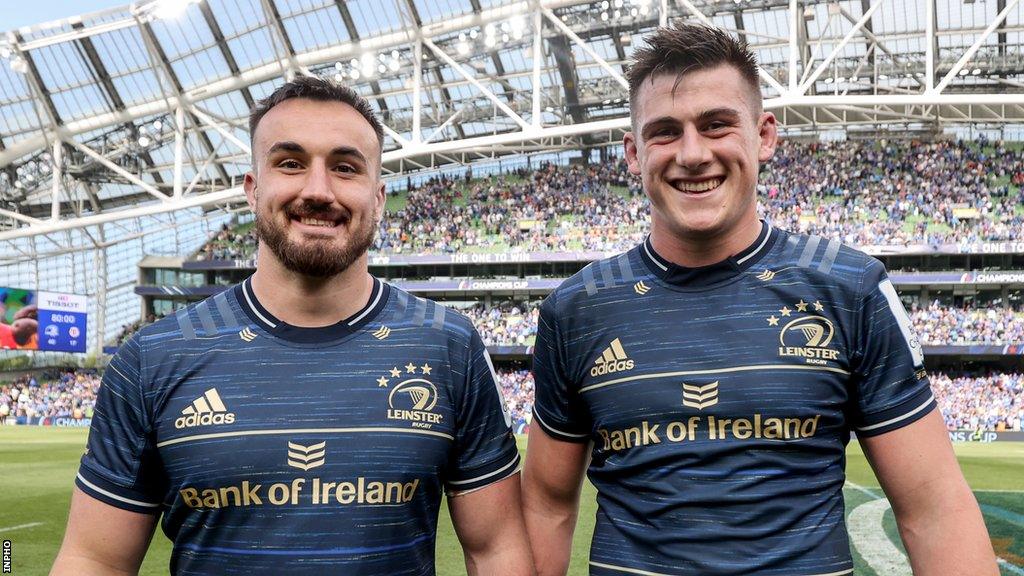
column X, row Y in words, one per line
column 67, row 394
column 864, row 193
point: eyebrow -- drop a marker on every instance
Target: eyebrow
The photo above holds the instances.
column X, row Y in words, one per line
column 289, row 146
column 730, row 113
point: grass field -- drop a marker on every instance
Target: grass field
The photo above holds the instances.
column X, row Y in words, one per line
column 38, row 465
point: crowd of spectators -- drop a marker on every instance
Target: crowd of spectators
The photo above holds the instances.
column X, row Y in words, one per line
column 67, row 394
column 971, row 402
column 505, row 323
column 517, row 387
column 865, row 193
column 229, row 244
column 950, row 325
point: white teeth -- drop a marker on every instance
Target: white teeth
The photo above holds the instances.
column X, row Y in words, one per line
column 699, row 186
column 315, row 222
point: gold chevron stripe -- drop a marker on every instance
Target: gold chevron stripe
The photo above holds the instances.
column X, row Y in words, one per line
column 699, row 397
column 695, row 388
column 306, row 449
column 305, row 467
column 307, row 457
column 700, row 405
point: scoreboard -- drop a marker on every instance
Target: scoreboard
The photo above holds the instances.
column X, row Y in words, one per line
column 49, row 321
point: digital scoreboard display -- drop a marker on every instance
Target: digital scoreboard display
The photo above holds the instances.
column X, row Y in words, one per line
column 39, row 320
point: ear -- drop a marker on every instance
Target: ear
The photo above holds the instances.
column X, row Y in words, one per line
column 249, row 185
column 768, row 132
column 629, row 141
column 381, row 198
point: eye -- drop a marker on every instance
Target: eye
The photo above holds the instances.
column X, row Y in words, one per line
column 346, row 168
column 289, row 164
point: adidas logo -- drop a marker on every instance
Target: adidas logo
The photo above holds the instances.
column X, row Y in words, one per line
column 766, row 276
column 382, row 333
column 613, row 359
column 641, row 288
column 700, row 397
column 206, row 410
column 247, row 334
column 307, row 457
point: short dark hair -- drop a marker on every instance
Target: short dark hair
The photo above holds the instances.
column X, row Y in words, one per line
column 684, row 48
column 320, row 90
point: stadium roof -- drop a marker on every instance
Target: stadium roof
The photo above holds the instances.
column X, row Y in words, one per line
column 142, row 109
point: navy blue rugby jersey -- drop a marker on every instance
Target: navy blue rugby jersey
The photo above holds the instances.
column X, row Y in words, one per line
column 720, row 400
column 270, row 448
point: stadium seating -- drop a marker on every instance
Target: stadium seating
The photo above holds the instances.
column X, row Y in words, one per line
column 866, row 193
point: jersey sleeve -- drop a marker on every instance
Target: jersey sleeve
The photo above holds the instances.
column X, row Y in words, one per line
column 557, row 407
column 485, row 447
column 120, row 466
column 892, row 389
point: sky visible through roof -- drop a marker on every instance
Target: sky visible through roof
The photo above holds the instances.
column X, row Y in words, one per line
column 17, row 13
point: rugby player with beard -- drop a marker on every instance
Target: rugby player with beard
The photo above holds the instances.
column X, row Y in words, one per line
column 308, row 419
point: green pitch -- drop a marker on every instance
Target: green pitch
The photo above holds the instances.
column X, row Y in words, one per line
column 38, row 466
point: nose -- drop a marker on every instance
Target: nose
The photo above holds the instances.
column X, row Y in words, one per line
column 693, row 153
column 317, row 187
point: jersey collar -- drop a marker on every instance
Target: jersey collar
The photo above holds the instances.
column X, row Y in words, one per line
column 712, row 273
column 258, row 314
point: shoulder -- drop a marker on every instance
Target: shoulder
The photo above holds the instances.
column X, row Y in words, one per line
column 598, row 281
column 828, row 260
column 417, row 312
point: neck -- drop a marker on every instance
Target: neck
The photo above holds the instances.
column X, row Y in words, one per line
column 306, row 301
column 693, row 252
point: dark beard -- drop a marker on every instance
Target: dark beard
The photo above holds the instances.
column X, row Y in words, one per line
column 316, row 258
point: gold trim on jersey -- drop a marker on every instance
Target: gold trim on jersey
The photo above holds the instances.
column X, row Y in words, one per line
column 715, row 371
column 303, row 431
column 649, row 573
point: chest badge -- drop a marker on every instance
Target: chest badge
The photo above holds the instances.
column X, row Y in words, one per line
column 805, row 334
column 411, row 397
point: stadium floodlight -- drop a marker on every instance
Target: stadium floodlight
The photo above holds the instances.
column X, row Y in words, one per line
column 144, row 141
column 463, row 47
column 19, row 65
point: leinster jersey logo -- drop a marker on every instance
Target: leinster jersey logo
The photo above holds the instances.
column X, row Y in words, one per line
column 411, row 396
column 805, row 334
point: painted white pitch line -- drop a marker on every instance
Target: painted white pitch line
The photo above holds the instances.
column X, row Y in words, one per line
column 871, row 541
column 872, row 546
column 1010, row 566
column 20, row 526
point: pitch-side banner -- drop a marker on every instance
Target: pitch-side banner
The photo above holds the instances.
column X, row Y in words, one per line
column 52, row 321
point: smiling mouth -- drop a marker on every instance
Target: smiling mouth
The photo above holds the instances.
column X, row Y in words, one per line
column 317, row 222
column 697, row 187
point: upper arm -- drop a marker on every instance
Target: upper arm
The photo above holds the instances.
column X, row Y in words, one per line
column 99, row 535
column 554, row 469
column 486, row 517
column 914, row 463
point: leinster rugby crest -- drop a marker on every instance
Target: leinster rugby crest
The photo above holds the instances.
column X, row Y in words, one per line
column 412, row 397
column 805, row 333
